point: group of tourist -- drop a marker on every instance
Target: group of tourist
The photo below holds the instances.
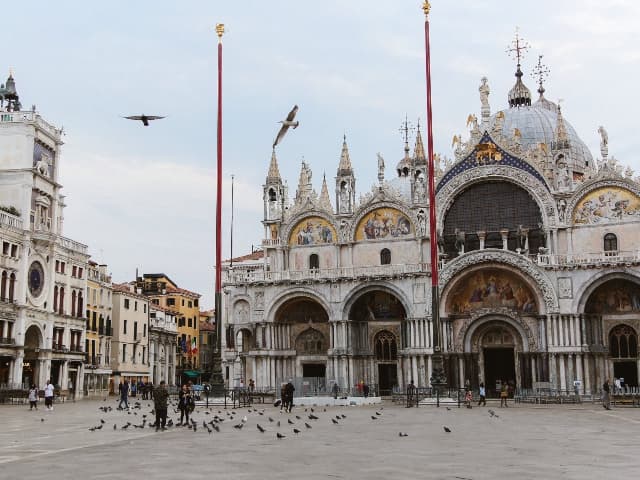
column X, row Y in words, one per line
column 34, row 395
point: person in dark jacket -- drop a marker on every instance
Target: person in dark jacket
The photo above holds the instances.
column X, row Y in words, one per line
column 185, row 403
column 289, row 389
column 160, row 398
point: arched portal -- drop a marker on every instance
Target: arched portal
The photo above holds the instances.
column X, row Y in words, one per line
column 302, row 324
column 378, row 329
column 33, row 342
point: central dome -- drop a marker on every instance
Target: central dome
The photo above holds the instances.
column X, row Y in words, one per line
column 537, row 124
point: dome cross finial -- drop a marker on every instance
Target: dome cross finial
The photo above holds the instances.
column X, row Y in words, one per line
column 541, row 72
column 518, row 47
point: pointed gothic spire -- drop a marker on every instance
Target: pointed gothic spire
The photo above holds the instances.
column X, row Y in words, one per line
column 325, row 200
column 345, row 162
column 561, row 140
column 273, row 176
column 419, row 157
column 305, row 188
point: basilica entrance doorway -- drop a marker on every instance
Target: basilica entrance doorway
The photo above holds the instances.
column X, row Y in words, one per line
column 627, row 371
column 314, row 370
column 387, row 378
column 499, row 366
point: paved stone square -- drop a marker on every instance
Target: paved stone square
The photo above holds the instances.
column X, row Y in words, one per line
column 583, row 441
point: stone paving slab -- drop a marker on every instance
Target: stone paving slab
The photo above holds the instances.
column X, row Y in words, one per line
column 523, row 442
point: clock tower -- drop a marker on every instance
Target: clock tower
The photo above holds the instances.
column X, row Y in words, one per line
column 42, row 320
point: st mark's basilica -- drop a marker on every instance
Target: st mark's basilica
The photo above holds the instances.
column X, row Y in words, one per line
column 539, row 276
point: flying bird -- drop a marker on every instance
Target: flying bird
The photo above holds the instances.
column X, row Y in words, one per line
column 144, row 118
column 288, row 122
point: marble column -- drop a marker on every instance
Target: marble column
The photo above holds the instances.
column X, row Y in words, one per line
column 481, row 236
column 563, row 379
column 505, row 238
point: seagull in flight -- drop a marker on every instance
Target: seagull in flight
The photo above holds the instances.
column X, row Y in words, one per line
column 288, row 122
column 144, row 118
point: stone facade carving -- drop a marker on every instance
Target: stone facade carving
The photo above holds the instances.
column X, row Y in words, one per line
column 565, row 287
column 505, row 257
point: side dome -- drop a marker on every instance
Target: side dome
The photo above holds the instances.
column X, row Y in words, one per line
column 537, row 124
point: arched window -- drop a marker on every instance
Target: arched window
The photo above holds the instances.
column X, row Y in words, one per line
column 610, row 243
column 272, row 195
column 3, row 289
column 386, row 347
column 314, row 261
column 80, row 302
column 310, row 342
column 12, row 287
column 385, row 256
column 55, row 298
column 73, row 303
column 61, row 302
column 623, row 342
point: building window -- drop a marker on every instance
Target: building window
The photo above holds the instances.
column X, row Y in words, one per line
column 3, row 290
column 195, row 303
column 386, row 347
column 135, row 306
column 144, row 308
column 124, row 327
column 126, row 303
column 12, row 287
column 171, row 301
column 144, row 330
column 385, row 256
column 74, row 271
column 14, row 251
column 135, row 330
column 314, row 261
column 623, row 342
column 124, row 353
column 183, row 302
column 610, row 243
column 5, row 248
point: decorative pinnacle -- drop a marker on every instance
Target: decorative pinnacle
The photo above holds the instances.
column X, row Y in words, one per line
column 405, row 129
column 518, row 47
column 220, row 30
column 426, row 7
column 542, row 72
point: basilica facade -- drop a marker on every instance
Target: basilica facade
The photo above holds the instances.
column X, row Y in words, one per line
column 539, row 265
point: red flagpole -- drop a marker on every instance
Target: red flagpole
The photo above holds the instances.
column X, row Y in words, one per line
column 217, row 381
column 438, row 379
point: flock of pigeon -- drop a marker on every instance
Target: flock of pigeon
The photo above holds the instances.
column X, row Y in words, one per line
column 215, row 420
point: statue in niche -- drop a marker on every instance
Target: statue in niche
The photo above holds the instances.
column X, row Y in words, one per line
column 460, row 237
column 422, row 222
column 345, row 198
column 420, row 188
column 562, row 207
column 563, row 178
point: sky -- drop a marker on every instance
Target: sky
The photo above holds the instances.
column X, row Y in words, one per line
column 144, row 198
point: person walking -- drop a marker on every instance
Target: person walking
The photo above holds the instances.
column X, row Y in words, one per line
column 33, row 397
column 504, row 394
column 160, row 398
column 48, row 396
column 483, row 395
column 606, row 394
column 335, row 389
column 123, row 388
column 289, row 389
column 184, row 404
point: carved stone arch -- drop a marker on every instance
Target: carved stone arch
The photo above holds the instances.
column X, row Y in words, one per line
column 588, row 288
column 300, row 292
column 449, row 192
column 355, row 293
column 296, row 219
column 481, row 318
column 33, row 337
column 244, row 339
column 589, row 187
column 368, row 208
column 521, row 265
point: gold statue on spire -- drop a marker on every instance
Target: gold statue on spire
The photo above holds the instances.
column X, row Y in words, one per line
column 426, row 7
column 220, row 30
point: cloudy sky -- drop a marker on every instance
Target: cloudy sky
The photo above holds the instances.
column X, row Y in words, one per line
column 145, row 197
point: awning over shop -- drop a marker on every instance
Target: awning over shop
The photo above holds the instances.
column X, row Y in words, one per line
column 191, row 373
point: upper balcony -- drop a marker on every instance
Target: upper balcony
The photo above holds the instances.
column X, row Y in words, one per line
column 589, row 260
column 11, row 221
column 240, row 276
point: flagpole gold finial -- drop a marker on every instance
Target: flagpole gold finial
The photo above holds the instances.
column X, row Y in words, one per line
column 426, row 7
column 220, row 30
